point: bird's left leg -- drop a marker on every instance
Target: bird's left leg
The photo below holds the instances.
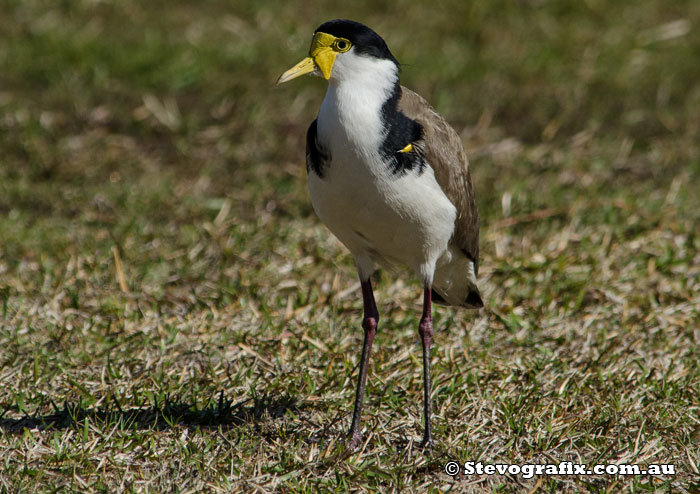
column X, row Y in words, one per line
column 425, row 329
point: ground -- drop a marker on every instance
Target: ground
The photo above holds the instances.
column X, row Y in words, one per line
column 176, row 319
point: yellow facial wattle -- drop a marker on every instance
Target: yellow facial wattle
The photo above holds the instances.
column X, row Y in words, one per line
column 324, row 48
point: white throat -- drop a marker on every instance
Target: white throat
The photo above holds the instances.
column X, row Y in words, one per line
column 350, row 119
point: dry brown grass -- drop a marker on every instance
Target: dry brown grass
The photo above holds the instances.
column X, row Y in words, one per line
column 175, row 319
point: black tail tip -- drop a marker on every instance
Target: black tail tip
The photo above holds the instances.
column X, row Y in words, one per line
column 437, row 298
column 473, row 300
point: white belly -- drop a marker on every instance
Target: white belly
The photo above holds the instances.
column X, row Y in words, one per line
column 382, row 217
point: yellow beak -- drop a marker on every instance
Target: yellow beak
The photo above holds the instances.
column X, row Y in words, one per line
column 304, row 67
column 322, row 56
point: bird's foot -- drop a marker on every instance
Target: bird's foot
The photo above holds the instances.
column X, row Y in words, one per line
column 354, row 441
column 427, row 445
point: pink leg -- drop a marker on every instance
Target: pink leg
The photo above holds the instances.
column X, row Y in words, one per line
column 369, row 324
column 425, row 329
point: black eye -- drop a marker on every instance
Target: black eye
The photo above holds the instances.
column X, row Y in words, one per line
column 342, row 45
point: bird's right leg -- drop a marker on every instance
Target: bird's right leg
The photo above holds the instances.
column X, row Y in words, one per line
column 369, row 324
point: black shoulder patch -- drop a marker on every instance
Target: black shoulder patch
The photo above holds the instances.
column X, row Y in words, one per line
column 401, row 132
column 316, row 157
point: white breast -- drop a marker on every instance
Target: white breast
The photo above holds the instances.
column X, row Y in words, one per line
column 381, row 217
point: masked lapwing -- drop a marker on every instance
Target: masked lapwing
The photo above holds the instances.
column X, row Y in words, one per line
column 390, row 178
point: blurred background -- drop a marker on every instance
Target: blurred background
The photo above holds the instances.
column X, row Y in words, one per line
column 133, row 123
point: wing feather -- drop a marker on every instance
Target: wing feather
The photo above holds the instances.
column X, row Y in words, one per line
column 442, row 149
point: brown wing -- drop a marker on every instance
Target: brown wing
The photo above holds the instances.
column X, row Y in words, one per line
column 443, row 150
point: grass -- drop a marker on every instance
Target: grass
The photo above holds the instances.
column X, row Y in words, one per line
column 175, row 318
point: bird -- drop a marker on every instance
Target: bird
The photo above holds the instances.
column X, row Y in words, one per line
column 390, row 178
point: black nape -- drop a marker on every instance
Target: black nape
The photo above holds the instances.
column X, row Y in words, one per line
column 365, row 41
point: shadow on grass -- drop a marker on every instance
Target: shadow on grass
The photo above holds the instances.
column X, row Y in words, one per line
column 164, row 415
